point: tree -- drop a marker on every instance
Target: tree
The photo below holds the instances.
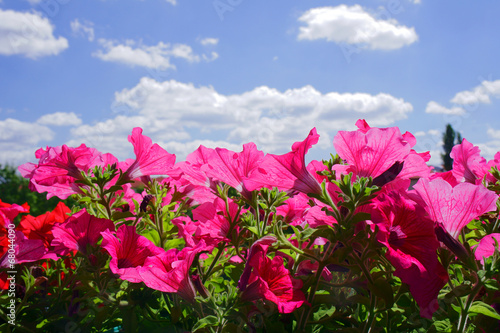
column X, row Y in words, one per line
column 15, row 189
column 448, row 142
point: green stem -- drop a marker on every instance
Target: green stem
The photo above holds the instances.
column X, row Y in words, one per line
column 312, row 293
column 497, row 223
column 464, row 315
column 371, row 317
column 306, row 312
column 220, row 249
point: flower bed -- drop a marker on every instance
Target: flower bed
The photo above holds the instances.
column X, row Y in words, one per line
column 252, row 242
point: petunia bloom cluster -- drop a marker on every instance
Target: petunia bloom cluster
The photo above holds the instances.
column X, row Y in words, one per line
column 248, row 240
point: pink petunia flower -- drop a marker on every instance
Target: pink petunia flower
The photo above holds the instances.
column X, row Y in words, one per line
column 411, row 247
column 454, row 207
column 59, row 167
column 468, row 164
column 151, row 159
column 169, row 271
column 487, row 246
column 233, row 168
column 128, row 251
column 80, row 230
column 26, row 250
column 370, row 151
column 287, row 172
column 201, row 187
column 265, row 278
column 212, row 221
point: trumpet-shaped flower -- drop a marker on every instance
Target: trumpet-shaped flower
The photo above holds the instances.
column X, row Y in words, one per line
column 233, row 168
column 411, row 247
column 59, row 167
column 80, row 230
column 265, row 278
column 454, row 207
column 468, row 165
column 169, row 271
column 151, row 159
column 487, row 246
column 287, row 172
column 370, row 151
column 128, row 251
column 40, row 227
column 26, row 250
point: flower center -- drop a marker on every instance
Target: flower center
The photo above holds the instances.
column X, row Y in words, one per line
column 396, row 236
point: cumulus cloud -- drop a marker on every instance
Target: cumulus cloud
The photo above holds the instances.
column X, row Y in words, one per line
column 209, row 41
column 60, row 119
column 181, row 115
column 478, row 94
column 85, row 29
column 28, row 34
column 19, row 140
column 136, row 54
column 434, row 107
column 354, row 25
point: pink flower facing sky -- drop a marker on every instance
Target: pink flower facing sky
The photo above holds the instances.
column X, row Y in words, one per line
column 265, row 278
column 287, row 172
column 59, row 167
column 233, row 168
column 370, row 151
column 80, row 230
column 411, row 247
column 468, row 164
column 151, row 159
column 454, row 207
column 189, row 172
column 128, row 251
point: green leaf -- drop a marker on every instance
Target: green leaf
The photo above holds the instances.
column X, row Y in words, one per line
column 484, row 309
column 361, row 217
column 383, row 289
column 253, row 230
column 443, row 325
column 207, row 321
column 121, row 215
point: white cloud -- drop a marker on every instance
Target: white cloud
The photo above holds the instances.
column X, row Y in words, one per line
column 213, row 56
column 135, row 54
column 209, row 41
column 28, row 34
column 85, row 29
column 433, row 107
column 19, row 140
column 180, row 116
column 60, row 119
column 354, row 25
column 492, row 133
column 478, row 94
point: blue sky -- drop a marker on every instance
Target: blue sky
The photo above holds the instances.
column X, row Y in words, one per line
column 225, row 72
